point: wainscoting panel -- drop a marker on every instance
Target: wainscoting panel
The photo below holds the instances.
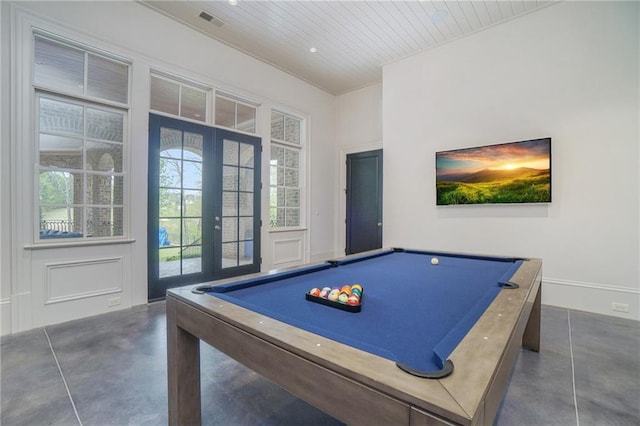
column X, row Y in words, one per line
column 66, row 281
column 287, row 251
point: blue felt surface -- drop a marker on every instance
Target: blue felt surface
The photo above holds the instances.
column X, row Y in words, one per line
column 409, row 308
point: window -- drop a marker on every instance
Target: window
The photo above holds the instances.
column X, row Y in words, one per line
column 81, row 105
column 178, row 99
column 235, row 114
column 285, row 171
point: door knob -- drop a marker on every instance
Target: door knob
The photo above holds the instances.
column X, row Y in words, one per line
column 217, row 227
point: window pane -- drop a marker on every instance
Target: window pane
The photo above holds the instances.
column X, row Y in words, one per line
column 61, row 117
column 246, row 228
column 291, row 177
column 173, row 232
column 229, row 255
column 291, row 130
column 291, row 158
column 104, row 189
column 170, row 173
column 230, row 155
column 229, row 204
column 229, row 229
column 246, row 155
column 293, row 197
column 170, row 143
column 246, row 253
column 246, row 180
column 192, row 259
column 194, row 103
column 280, row 222
column 169, row 202
column 60, row 151
column 63, row 222
column 193, row 203
column 192, row 175
column 225, row 112
column 58, row 66
column 107, row 79
column 57, row 189
column 277, row 155
column 192, row 146
column 245, row 201
column 229, row 178
column 104, row 157
column 105, row 125
column 164, row 95
column 101, row 222
column 246, row 118
column 293, row 217
column 192, row 232
column 277, row 125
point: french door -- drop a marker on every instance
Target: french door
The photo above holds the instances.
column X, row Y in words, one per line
column 203, row 204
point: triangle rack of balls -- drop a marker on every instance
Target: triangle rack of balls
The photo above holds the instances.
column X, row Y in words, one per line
column 347, row 298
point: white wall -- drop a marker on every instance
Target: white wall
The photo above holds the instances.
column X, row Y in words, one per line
column 358, row 129
column 149, row 40
column 569, row 71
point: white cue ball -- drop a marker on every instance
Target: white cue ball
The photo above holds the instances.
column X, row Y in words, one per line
column 434, row 261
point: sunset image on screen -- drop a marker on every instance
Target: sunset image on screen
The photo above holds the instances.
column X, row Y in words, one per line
column 517, row 172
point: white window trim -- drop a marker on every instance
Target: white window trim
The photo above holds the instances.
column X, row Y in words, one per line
column 304, row 173
column 24, row 131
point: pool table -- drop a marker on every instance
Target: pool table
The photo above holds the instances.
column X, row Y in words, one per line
column 433, row 341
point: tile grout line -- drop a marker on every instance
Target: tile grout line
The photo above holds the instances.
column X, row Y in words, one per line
column 64, row 381
column 573, row 370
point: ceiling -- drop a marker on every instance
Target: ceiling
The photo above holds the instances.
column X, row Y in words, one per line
column 352, row 39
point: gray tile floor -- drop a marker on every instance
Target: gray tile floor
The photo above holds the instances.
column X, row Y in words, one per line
column 111, row 370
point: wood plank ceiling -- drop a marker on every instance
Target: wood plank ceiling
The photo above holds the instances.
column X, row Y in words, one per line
column 352, row 39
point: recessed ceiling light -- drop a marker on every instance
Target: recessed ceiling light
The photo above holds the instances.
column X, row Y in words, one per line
column 233, row 2
column 313, row 50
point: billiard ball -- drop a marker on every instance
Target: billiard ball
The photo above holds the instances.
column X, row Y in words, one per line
column 353, row 300
column 333, row 296
column 315, row 292
column 325, row 292
column 356, row 286
column 356, row 292
column 343, row 297
column 434, row 261
column 346, row 289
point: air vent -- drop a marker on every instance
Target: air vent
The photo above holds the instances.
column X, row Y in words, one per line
column 212, row 19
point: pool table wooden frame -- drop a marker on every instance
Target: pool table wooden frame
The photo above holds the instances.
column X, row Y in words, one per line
column 326, row 373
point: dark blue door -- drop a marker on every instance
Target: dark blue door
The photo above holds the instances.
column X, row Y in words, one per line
column 364, row 201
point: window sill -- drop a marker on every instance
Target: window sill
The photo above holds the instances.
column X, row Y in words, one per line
column 67, row 244
column 292, row 229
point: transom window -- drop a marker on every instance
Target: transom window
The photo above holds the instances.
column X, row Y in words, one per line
column 81, row 135
column 285, row 171
column 179, row 99
column 235, row 114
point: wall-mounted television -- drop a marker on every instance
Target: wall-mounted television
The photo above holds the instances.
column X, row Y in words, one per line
column 515, row 172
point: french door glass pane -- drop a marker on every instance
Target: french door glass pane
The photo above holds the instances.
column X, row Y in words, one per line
column 237, row 203
column 180, row 198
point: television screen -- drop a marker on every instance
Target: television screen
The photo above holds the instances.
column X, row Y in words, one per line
column 515, row 172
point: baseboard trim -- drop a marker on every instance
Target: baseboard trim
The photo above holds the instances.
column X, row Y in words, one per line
column 5, row 316
column 591, row 297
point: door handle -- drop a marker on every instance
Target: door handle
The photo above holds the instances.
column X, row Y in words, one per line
column 379, row 223
column 217, row 227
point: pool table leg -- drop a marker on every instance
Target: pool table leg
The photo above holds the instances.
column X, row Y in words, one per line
column 531, row 336
column 183, row 371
